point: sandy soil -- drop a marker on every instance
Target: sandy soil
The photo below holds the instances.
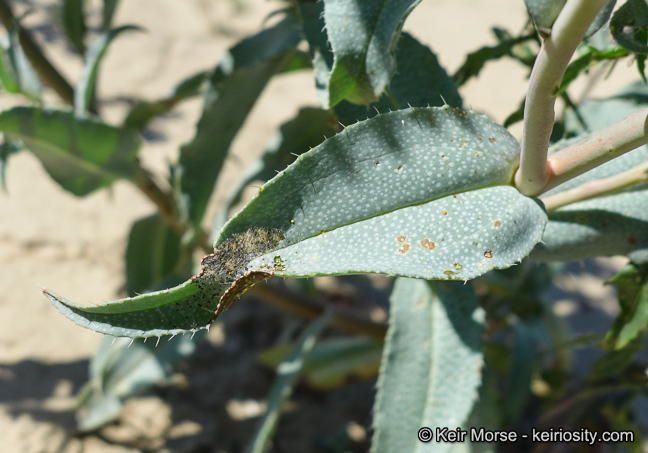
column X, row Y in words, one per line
column 49, row 238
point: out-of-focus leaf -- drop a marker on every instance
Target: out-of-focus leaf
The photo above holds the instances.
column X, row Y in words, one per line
column 233, row 88
column 332, row 362
column 7, row 148
column 632, row 287
column 307, row 130
column 363, row 36
column 604, row 226
column 74, row 23
column 84, row 91
column 544, row 12
column 120, row 370
column 601, row 18
column 152, row 254
column 614, row 362
column 588, row 57
column 144, row 111
column 287, row 375
column 420, row 81
column 108, row 13
column 520, row 372
column 17, row 73
column 80, row 154
column 338, row 210
column 633, row 14
column 476, row 61
column 431, row 368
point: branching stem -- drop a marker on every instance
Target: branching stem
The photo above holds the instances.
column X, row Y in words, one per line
column 598, row 187
column 556, row 51
column 601, row 147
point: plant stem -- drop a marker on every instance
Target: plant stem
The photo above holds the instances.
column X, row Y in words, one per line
column 549, row 68
column 598, row 187
column 601, row 147
column 41, row 64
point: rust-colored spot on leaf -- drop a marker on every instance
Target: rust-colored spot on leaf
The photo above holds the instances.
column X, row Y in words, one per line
column 431, row 120
column 457, row 266
column 444, row 212
column 492, row 140
column 488, row 254
column 480, row 137
column 632, row 240
column 401, row 238
column 476, row 154
column 452, row 139
column 428, row 244
column 498, row 224
column 404, row 249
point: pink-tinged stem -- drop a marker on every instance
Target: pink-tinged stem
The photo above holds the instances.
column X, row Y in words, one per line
column 604, row 146
column 598, row 187
column 556, row 51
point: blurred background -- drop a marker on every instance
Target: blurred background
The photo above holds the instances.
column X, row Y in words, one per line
column 75, row 246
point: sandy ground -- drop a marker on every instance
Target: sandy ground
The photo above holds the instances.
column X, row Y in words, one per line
column 49, row 238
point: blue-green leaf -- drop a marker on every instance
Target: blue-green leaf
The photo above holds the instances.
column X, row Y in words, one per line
column 386, row 195
column 81, row 154
column 16, row 72
column 431, row 368
column 121, row 369
column 604, row 226
column 234, row 87
column 307, row 130
column 544, row 12
column 84, row 91
column 363, row 36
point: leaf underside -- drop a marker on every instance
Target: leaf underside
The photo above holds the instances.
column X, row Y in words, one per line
column 421, row 193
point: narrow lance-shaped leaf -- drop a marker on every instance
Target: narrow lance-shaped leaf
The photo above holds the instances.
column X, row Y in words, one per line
column 363, row 37
column 417, row 193
column 81, row 154
column 17, row 73
column 431, row 368
column 287, row 375
column 234, row 87
column 632, row 287
column 144, row 111
column 84, row 91
column 108, row 13
column 73, row 18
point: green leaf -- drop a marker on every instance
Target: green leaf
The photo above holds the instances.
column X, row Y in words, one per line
column 307, row 130
column 419, row 82
column 152, row 254
column 74, row 23
column 108, row 13
column 333, row 361
column 363, row 36
column 544, row 12
column 17, row 73
column 633, row 14
column 233, row 88
column 84, row 91
column 632, row 287
column 7, row 148
column 144, row 111
column 287, row 375
column 520, row 373
column 121, row 369
column 81, row 154
column 476, row 61
column 601, row 18
column 589, row 57
column 431, row 366
column 338, row 210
